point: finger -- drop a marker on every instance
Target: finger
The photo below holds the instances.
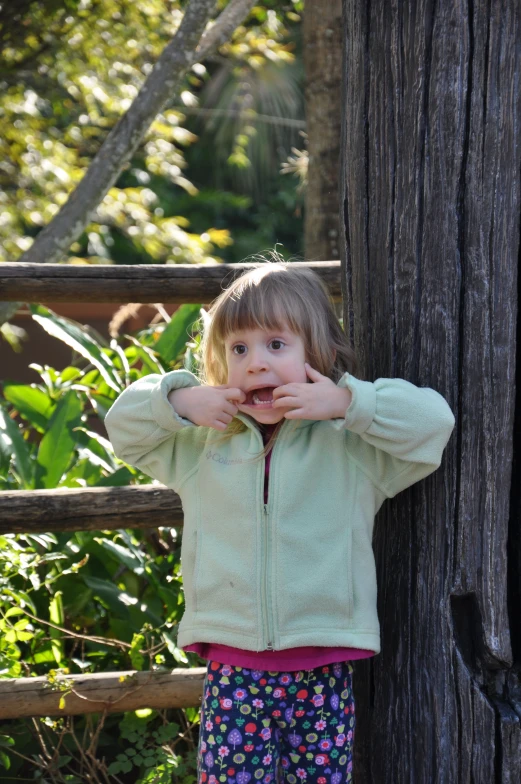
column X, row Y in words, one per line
column 230, row 409
column 286, row 389
column 218, row 425
column 298, row 413
column 235, row 394
column 313, row 374
column 285, row 402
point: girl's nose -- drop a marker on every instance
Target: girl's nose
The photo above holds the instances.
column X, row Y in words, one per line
column 258, row 361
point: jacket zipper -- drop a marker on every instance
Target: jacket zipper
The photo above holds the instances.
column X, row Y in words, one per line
column 269, row 645
column 265, row 518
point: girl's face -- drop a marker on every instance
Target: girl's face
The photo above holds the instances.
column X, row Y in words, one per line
column 259, row 361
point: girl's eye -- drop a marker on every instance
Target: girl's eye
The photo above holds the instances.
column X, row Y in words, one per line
column 240, row 353
column 280, row 343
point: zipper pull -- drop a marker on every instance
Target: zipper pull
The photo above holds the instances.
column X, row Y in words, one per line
column 265, row 509
column 270, row 646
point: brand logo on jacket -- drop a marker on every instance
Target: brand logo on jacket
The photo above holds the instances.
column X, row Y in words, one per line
column 218, row 458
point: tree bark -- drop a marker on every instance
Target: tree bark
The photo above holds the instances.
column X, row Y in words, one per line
column 322, row 39
column 430, row 219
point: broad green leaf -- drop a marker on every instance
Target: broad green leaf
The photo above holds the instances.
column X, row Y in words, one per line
column 146, row 355
column 122, row 554
column 12, row 443
column 57, row 446
column 136, row 657
column 120, row 478
column 71, row 333
column 57, row 616
column 176, row 334
column 31, row 403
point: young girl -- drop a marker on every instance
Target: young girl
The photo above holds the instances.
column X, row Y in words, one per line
column 278, row 568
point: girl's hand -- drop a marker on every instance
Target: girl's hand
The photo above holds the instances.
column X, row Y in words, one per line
column 320, row 400
column 207, row 406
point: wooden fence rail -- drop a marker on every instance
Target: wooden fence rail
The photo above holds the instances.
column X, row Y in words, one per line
column 167, row 283
column 90, row 509
column 96, row 692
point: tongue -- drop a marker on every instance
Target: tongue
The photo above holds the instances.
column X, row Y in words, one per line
column 264, row 394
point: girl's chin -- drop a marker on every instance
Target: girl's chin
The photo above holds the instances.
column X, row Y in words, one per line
column 264, row 412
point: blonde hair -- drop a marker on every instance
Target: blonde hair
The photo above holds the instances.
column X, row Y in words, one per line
column 270, row 296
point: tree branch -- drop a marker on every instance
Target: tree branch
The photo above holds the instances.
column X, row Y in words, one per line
column 52, row 243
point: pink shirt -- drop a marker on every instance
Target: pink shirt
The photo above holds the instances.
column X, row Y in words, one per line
column 302, row 658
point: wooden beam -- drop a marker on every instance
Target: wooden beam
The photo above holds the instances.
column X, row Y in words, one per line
column 166, row 283
column 97, row 692
column 90, row 509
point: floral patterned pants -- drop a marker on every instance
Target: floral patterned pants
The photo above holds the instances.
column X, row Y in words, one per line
column 259, row 726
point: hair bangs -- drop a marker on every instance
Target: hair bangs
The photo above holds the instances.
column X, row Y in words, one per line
column 252, row 306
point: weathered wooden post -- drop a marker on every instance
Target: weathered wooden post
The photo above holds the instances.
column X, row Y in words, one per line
column 430, row 206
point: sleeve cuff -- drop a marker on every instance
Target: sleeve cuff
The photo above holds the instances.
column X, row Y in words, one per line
column 362, row 408
column 162, row 410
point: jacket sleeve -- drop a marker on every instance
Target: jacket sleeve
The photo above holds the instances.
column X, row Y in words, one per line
column 146, row 432
column 397, row 431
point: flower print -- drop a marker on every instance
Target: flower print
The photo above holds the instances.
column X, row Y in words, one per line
column 325, row 744
column 285, row 678
column 320, row 725
column 210, row 676
column 267, row 778
column 258, row 703
column 209, row 724
column 350, row 735
column 224, row 751
column 321, row 759
column 239, row 694
column 311, row 737
column 279, row 692
column 301, row 773
column 284, row 761
column 266, row 760
column 226, row 670
column 317, row 700
column 325, row 670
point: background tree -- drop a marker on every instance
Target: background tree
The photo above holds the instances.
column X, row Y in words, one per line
column 322, row 51
column 430, row 232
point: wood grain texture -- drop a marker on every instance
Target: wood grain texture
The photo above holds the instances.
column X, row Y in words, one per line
column 430, row 196
column 90, row 509
column 97, row 692
column 166, row 283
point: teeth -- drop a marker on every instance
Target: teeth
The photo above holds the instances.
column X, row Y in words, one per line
column 256, row 400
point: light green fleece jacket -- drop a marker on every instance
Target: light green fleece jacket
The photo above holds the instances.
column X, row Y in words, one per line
column 300, row 569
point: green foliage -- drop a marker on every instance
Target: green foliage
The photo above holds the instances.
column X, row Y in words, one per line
column 92, row 601
column 70, row 71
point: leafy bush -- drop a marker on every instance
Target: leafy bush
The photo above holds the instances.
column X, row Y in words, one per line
column 91, row 601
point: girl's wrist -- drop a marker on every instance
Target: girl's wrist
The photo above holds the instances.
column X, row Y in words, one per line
column 342, row 401
column 178, row 399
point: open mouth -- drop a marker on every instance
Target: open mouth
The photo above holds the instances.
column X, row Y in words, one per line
column 260, row 398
